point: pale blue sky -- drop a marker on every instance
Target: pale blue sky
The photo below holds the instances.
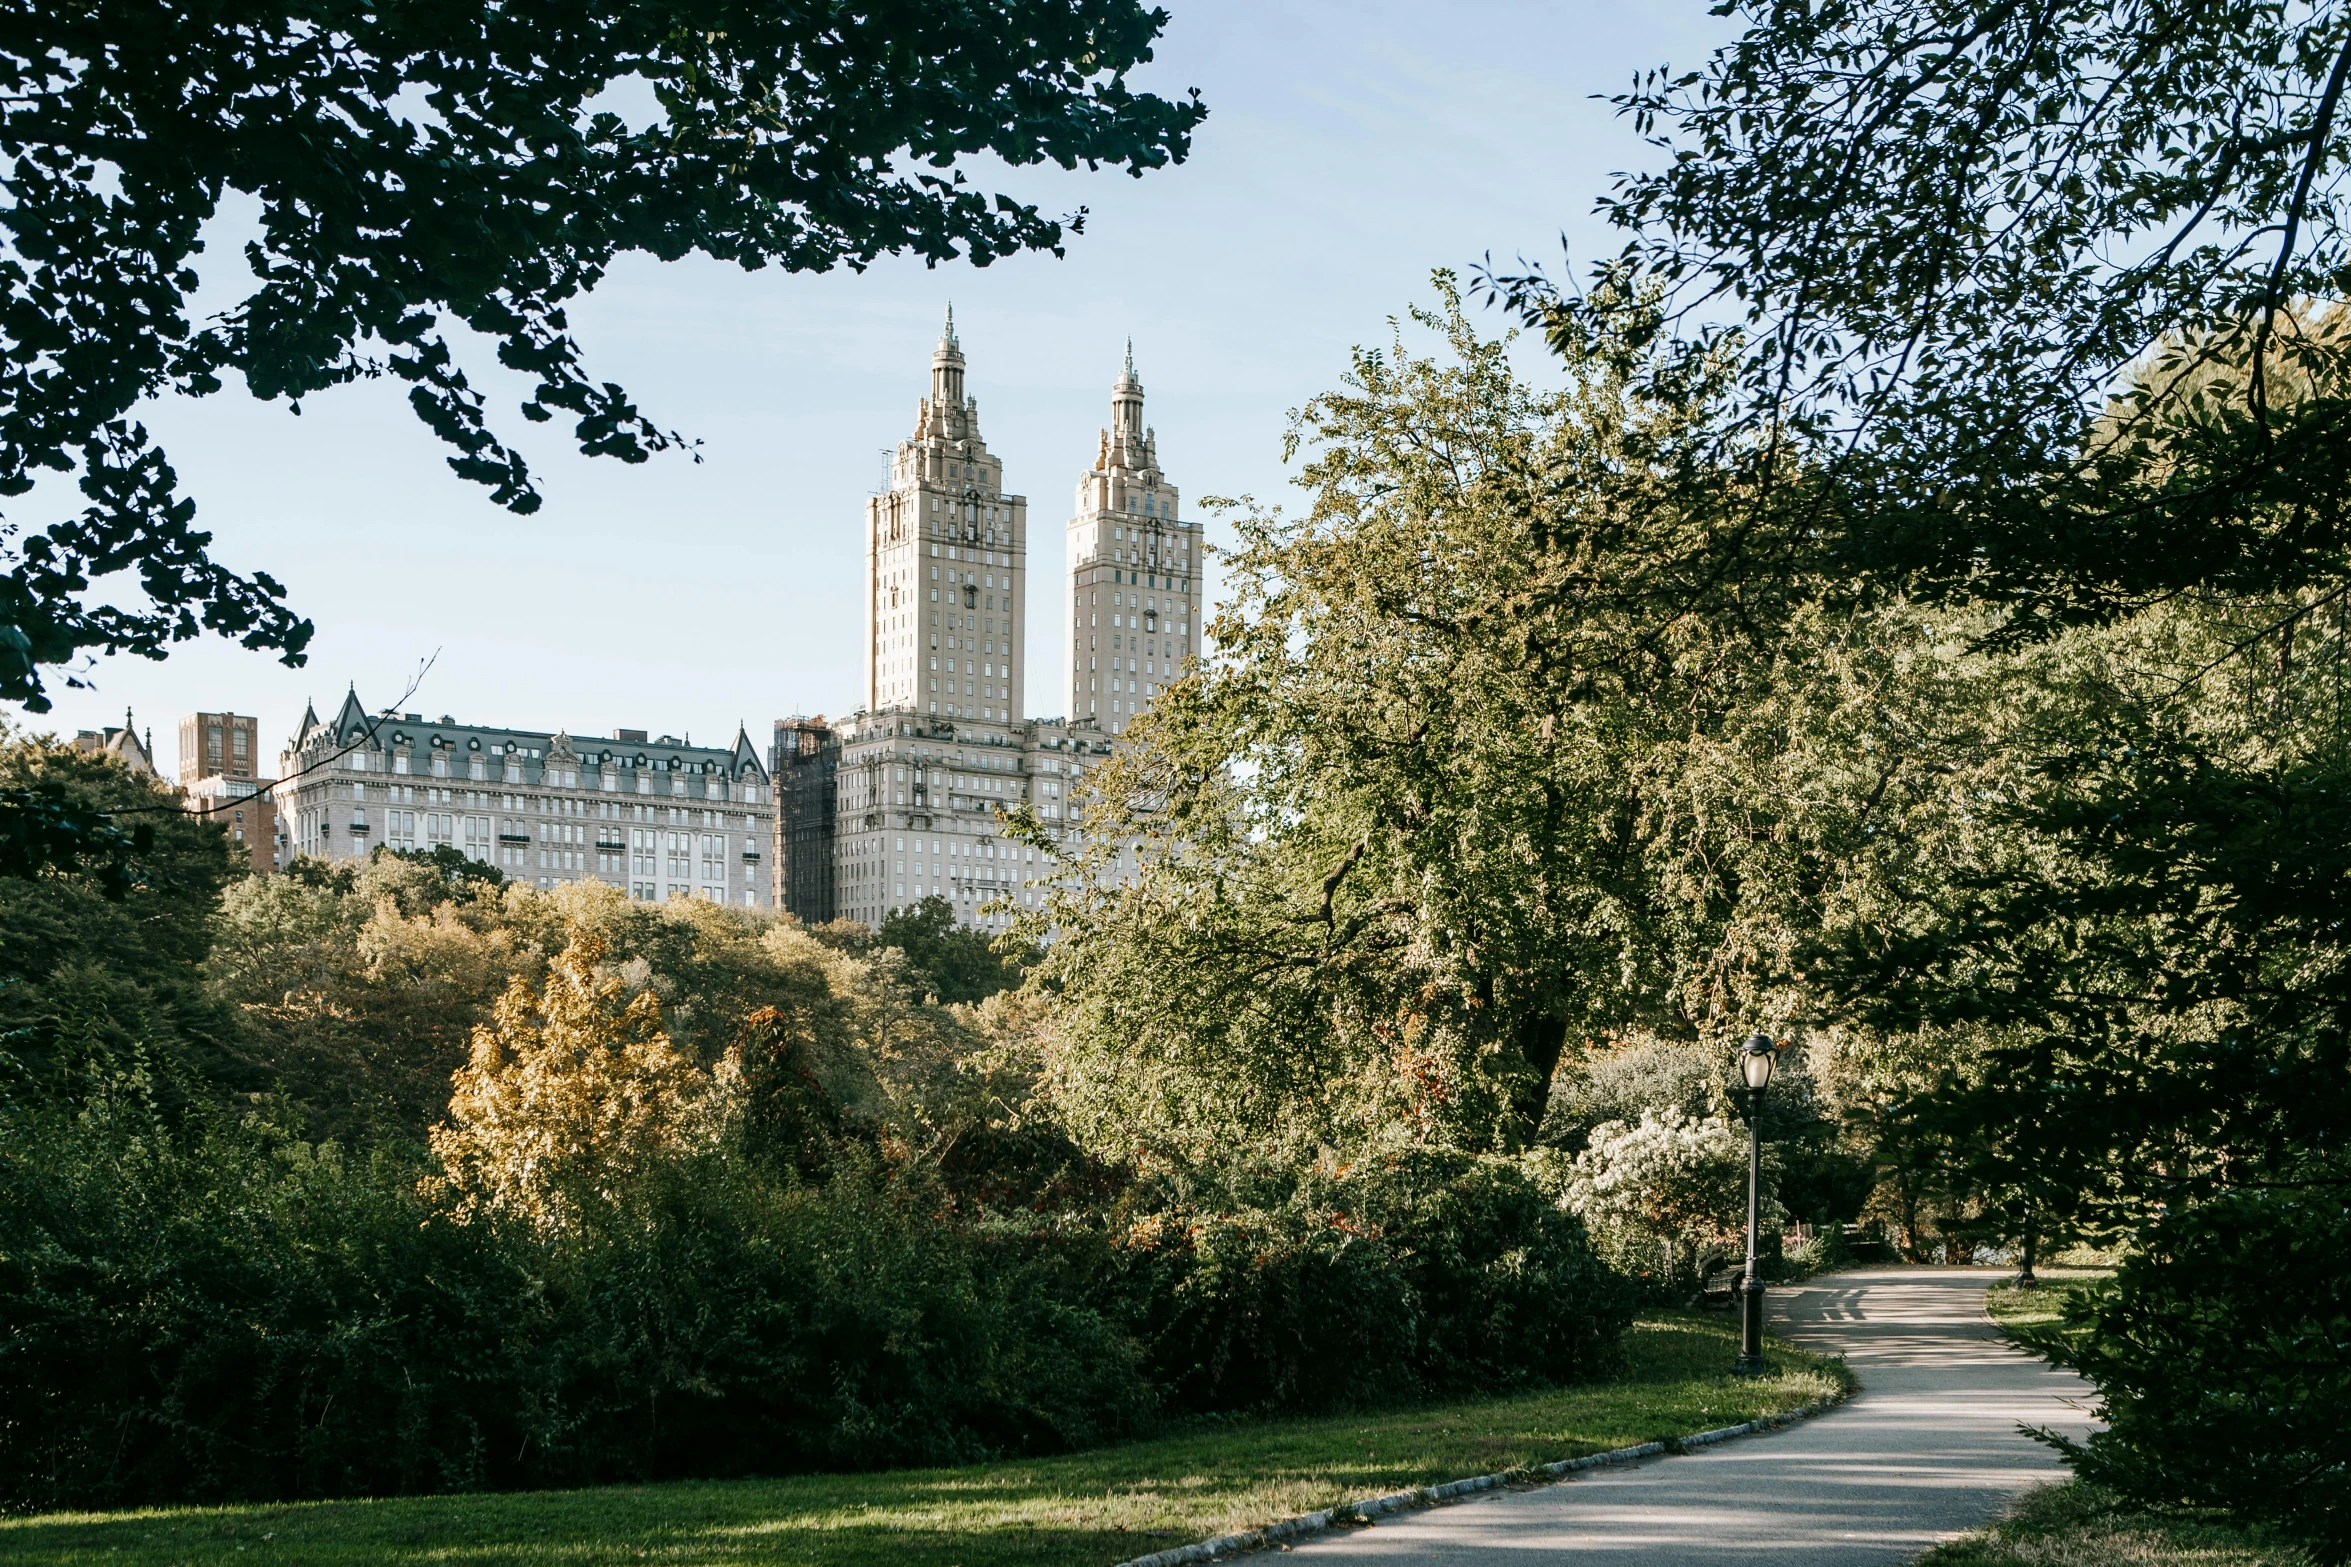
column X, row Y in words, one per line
column 1349, row 149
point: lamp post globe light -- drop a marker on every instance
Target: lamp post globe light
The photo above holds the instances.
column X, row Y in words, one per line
column 1756, row 1059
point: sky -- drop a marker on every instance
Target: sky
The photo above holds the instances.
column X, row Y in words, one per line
column 1350, row 149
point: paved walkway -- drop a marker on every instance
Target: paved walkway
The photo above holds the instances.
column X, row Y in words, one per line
column 1928, row 1449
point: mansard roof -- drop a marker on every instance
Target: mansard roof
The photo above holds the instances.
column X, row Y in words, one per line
column 411, row 731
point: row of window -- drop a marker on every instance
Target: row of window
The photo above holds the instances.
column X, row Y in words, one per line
column 649, row 892
column 477, row 770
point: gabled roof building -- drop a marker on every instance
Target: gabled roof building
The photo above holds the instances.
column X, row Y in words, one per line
column 662, row 818
column 123, row 744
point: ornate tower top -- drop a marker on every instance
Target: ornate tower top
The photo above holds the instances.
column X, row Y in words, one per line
column 1127, row 445
column 947, row 369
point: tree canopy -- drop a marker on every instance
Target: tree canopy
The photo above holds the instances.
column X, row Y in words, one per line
column 2037, row 313
column 1942, row 234
column 420, row 173
column 1491, row 765
column 952, row 960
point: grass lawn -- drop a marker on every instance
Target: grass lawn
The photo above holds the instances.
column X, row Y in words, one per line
column 2017, row 1309
column 1080, row 1510
column 2077, row 1525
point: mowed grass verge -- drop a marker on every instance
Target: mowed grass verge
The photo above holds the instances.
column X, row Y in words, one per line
column 2077, row 1525
column 2023, row 1311
column 1077, row 1510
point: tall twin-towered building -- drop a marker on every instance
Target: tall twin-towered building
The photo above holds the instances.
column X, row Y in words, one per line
column 947, row 568
column 900, row 802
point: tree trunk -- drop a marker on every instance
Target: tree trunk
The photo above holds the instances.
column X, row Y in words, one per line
column 1541, row 1040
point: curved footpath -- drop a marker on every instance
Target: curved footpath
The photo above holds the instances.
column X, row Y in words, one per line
column 1928, row 1449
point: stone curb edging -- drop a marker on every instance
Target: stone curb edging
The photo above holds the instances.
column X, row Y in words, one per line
column 1453, row 1490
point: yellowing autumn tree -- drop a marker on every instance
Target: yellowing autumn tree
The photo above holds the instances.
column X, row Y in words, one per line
column 573, row 1090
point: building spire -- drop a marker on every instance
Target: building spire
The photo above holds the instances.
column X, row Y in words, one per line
column 947, row 375
column 1130, row 356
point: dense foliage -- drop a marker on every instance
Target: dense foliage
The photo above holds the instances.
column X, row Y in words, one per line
column 955, row 961
column 2037, row 309
column 2224, row 1337
column 1473, row 784
column 109, row 955
column 392, row 1177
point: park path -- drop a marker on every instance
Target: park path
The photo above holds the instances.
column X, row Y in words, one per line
column 1928, row 1449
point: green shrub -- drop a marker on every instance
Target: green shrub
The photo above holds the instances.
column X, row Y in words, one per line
column 2221, row 1351
column 1266, row 1309
column 1420, row 1270
column 217, row 1311
column 725, row 1327
column 1824, row 1251
column 1507, row 1289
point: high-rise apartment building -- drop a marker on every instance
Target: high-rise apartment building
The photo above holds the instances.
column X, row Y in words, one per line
column 221, row 779
column 909, row 789
column 660, row 817
column 219, row 745
column 1134, row 571
column 805, row 763
column 946, row 563
column 917, row 808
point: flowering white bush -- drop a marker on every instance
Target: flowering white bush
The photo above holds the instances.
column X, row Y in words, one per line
column 1668, row 1189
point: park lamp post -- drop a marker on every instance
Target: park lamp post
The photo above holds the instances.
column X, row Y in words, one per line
column 1756, row 1059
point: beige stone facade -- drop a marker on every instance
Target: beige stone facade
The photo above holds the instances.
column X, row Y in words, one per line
column 946, row 565
column 911, row 792
column 1134, row 571
column 659, row 817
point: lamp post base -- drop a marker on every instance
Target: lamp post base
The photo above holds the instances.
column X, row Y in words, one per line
column 1750, row 1362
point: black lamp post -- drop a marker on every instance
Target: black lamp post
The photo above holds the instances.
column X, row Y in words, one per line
column 1756, row 1059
